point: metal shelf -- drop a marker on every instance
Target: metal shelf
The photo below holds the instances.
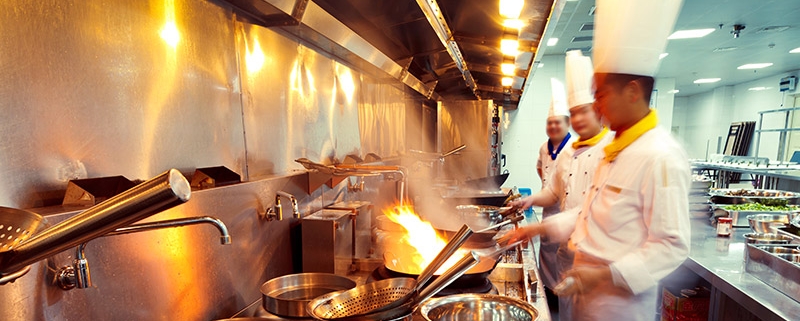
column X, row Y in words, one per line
column 776, row 130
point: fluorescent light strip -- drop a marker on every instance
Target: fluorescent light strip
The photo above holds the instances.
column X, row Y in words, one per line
column 552, row 42
column 755, row 66
column 707, row 80
column 795, row 50
column 674, row 91
column 663, row 55
column 688, row 34
column 506, row 81
column 507, row 69
column 758, row 88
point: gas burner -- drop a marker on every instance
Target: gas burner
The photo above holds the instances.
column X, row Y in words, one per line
column 465, row 284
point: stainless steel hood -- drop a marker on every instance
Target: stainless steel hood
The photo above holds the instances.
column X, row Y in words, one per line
column 445, row 50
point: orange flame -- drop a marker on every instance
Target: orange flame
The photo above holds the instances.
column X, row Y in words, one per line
column 422, row 237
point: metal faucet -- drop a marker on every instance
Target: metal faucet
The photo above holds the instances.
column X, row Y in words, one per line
column 276, row 212
column 78, row 274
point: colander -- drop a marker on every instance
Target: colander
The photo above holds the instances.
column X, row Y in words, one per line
column 17, row 226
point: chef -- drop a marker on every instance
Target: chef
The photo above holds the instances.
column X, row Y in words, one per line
column 633, row 227
column 558, row 139
column 575, row 166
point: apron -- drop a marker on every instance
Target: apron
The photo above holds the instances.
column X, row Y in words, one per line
column 548, row 257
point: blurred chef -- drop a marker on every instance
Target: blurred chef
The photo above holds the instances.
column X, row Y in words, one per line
column 633, row 228
column 558, row 138
column 575, row 166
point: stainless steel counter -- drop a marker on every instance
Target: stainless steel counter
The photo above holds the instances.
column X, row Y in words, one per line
column 720, row 261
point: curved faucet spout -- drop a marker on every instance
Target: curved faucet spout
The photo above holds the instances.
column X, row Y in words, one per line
column 225, row 238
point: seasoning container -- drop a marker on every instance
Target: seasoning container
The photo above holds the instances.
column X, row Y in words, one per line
column 724, row 225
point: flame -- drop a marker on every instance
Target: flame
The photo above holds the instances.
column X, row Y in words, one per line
column 423, row 238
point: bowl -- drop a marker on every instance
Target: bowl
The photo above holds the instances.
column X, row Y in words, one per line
column 780, row 250
column 463, row 307
column 763, row 223
column 766, row 238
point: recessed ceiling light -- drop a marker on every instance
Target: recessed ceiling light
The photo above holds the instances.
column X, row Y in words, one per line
column 513, row 23
column 674, row 91
column 795, row 50
column 758, row 88
column 755, row 66
column 552, row 42
column 511, row 8
column 663, row 55
column 540, row 65
column 506, row 81
column 706, row 80
column 693, row 33
column 509, row 47
column 507, row 68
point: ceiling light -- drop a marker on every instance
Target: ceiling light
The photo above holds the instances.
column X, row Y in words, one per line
column 758, row 88
column 509, row 47
column 706, row 80
column 540, row 66
column 755, row 66
column 506, row 81
column 674, row 91
column 513, row 23
column 507, row 68
column 552, row 42
column 723, row 49
column 511, row 8
column 663, row 55
column 693, row 33
column 795, row 50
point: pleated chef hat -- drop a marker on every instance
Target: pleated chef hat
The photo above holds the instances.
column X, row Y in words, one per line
column 558, row 102
column 579, row 79
column 629, row 35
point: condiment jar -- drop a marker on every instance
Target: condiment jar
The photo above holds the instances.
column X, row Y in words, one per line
column 724, row 225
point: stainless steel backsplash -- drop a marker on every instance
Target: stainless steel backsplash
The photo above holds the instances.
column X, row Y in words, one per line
column 102, row 88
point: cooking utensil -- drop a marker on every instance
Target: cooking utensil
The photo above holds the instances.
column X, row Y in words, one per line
column 763, row 196
column 485, row 237
column 356, row 304
column 493, row 198
column 488, row 183
column 477, row 307
column 452, row 245
column 155, row 195
column 288, row 295
column 16, row 226
column 763, row 223
column 766, row 238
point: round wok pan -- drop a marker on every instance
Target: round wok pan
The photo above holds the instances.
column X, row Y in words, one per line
column 475, row 276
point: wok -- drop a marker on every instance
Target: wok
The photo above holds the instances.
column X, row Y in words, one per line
column 474, row 277
column 477, row 197
column 488, row 183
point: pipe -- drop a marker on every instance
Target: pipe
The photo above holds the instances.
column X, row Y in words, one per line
column 153, row 196
column 295, row 208
column 224, row 238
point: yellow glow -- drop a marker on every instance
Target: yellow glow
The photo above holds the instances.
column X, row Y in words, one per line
column 506, row 81
column 254, row 58
column 347, row 84
column 513, row 23
column 509, row 47
column 421, row 236
column 170, row 32
column 511, row 8
column 507, row 68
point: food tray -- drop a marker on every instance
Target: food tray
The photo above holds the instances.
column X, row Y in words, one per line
column 790, row 231
column 511, row 279
column 776, row 272
column 763, row 196
column 740, row 217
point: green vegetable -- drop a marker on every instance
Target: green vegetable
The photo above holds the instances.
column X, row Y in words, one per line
column 757, row 207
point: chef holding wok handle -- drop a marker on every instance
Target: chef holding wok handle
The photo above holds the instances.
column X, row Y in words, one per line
column 633, row 227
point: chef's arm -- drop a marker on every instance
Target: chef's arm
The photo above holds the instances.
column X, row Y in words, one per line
column 666, row 216
column 558, row 228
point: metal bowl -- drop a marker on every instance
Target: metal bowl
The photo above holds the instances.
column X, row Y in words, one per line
column 763, row 223
column 288, row 295
column 463, row 307
column 780, row 250
column 766, row 238
column 479, row 216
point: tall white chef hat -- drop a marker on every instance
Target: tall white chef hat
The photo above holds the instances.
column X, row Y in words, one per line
column 558, row 102
column 579, row 79
column 629, row 35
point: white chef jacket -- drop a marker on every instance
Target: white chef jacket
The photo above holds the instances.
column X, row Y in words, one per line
column 547, row 250
column 636, row 217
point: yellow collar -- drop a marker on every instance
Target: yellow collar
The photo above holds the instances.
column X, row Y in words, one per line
column 623, row 139
column 591, row 141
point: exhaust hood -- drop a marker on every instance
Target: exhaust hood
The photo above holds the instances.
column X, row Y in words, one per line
column 445, row 49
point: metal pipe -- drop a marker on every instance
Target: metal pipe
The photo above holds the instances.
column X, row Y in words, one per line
column 224, row 238
column 155, row 195
column 292, row 199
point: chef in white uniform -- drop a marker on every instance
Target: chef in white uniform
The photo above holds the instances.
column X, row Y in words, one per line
column 575, row 165
column 633, row 228
column 559, row 139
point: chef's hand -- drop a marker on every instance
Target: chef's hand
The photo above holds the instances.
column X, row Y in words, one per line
column 520, row 204
column 582, row 279
column 520, row 234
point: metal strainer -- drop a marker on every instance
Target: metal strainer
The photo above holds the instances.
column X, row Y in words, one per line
column 364, row 298
column 17, row 226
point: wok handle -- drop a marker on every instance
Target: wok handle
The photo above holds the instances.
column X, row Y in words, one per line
column 466, row 263
column 455, row 242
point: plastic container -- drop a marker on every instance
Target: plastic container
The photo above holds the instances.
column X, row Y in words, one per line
column 525, row 191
